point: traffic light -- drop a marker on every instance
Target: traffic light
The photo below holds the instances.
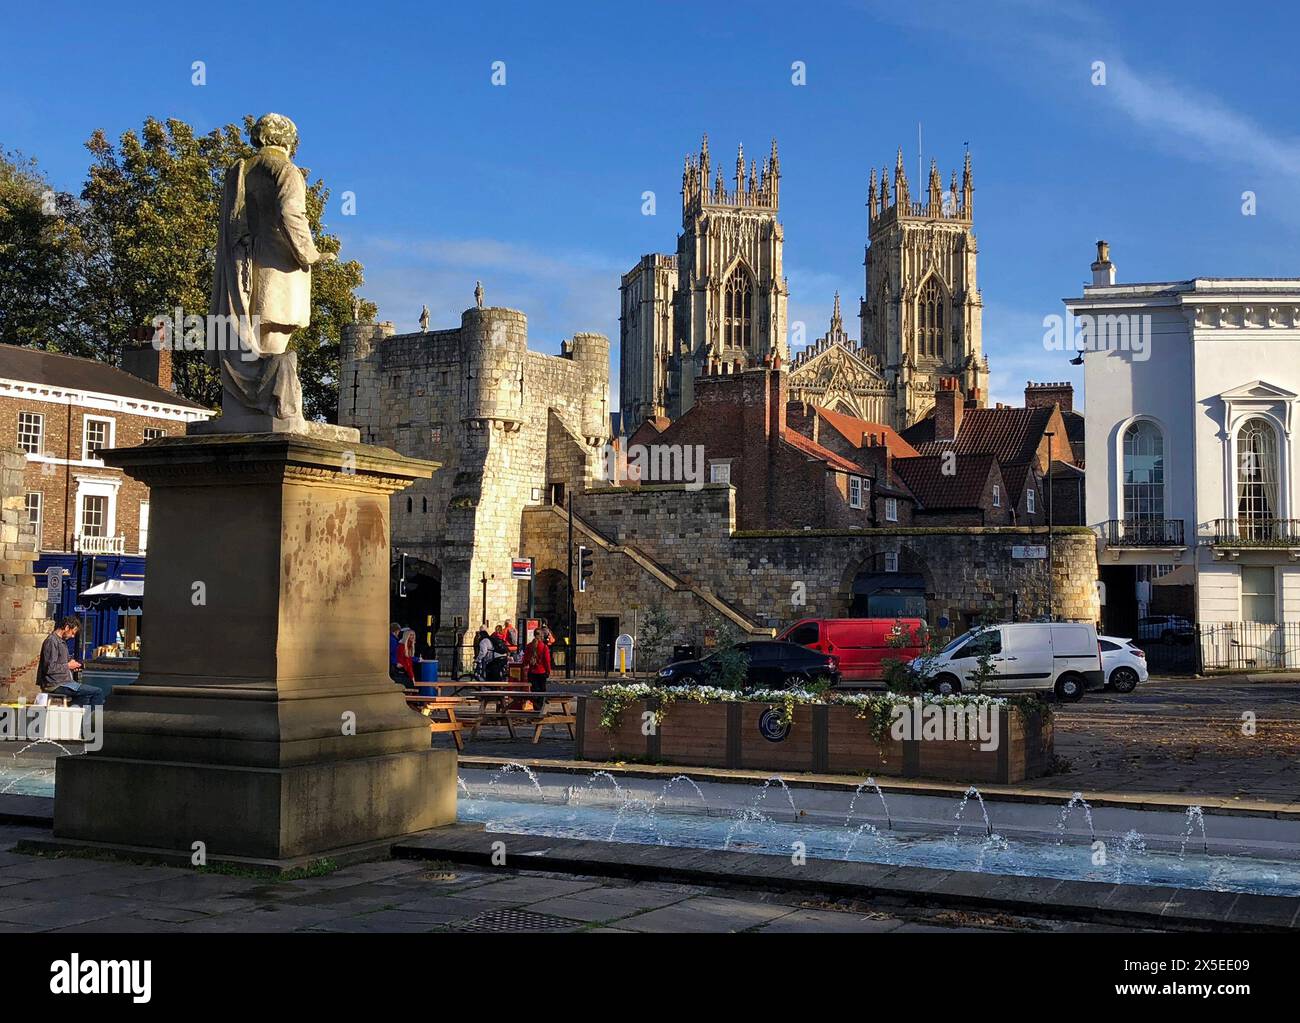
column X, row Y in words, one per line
column 585, row 567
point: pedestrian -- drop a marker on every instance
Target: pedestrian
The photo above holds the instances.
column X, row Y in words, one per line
column 537, row 664
column 512, row 638
column 483, row 652
column 54, row 671
column 394, row 669
column 406, row 657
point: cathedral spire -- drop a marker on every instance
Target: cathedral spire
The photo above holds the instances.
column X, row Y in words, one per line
column 837, row 321
column 900, row 185
column 704, row 159
column 884, row 190
column 967, row 188
column 871, row 197
column 753, row 175
column 936, row 188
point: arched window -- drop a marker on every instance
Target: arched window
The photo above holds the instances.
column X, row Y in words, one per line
column 1257, row 475
column 738, row 304
column 1144, row 479
column 929, row 320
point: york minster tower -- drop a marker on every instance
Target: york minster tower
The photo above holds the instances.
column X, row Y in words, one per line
column 720, row 301
column 921, row 310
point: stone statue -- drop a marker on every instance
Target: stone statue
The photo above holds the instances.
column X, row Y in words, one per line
column 356, row 310
column 262, row 284
column 478, row 294
column 424, row 319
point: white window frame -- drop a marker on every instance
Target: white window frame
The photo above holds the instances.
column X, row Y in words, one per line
column 86, row 420
column 1241, row 594
column 891, row 561
column 158, row 431
column 95, row 487
column 723, row 464
column 40, row 432
column 855, row 491
column 891, row 509
column 40, row 515
column 143, row 539
column 997, row 496
column 1031, row 501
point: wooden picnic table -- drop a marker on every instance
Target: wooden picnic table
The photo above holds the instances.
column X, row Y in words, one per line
column 431, row 705
column 547, row 710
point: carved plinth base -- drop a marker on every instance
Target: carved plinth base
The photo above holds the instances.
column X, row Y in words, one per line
column 264, row 723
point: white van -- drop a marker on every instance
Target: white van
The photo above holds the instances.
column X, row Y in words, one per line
column 1063, row 657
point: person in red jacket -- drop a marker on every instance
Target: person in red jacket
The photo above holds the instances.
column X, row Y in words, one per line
column 406, row 655
column 537, row 664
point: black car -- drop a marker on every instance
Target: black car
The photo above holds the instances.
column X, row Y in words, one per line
column 772, row 665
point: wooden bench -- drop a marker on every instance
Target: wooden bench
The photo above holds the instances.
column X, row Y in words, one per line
column 555, row 711
column 429, row 705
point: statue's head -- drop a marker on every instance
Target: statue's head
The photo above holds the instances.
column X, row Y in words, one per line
column 275, row 130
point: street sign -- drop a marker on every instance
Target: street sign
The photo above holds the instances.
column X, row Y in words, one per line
column 53, row 583
column 1032, row 551
column 521, row 568
column 625, row 654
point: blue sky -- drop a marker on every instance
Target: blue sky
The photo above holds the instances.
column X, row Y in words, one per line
column 535, row 187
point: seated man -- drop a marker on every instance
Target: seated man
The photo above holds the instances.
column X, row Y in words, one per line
column 54, row 673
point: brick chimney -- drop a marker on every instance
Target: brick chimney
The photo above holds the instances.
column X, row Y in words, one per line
column 948, row 408
column 762, row 426
column 1046, row 395
column 143, row 360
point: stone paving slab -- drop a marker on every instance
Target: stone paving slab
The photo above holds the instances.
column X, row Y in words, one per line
column 815, row 921
column 705, row 914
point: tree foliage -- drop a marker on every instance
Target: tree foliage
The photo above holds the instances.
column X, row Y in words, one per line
column 141, row 243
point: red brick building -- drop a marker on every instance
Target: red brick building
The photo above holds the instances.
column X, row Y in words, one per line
column 61, row 411
column 1024, row 442
column 784, row 479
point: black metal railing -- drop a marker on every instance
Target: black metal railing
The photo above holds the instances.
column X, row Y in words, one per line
column 1250, row 646
column 1143, row 532
column 1250, row 532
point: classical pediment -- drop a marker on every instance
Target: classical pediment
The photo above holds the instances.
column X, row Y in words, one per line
column 1258, row 396
column 1258, row 390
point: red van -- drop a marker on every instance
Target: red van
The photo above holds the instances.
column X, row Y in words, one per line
column 861, row 644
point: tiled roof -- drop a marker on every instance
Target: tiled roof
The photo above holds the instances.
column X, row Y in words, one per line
column 649, row 430
column 1009, row 434
column 1015, row 475
column 851, row 429
column 31, row 365
column 815, row 450
column 936, row 491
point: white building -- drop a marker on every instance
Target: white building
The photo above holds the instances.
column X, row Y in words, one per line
column 1192, row 454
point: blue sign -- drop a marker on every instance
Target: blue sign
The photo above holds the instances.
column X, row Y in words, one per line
column 771, row 727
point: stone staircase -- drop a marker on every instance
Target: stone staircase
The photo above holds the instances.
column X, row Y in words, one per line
column 664, row 575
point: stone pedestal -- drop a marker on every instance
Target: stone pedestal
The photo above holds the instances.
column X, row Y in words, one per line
column 264, row 723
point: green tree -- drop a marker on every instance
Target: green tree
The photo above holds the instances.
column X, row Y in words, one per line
column 39, row 246
column 150, row 213
column 654, row 642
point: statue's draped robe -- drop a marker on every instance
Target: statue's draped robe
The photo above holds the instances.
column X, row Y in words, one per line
column 262, row 286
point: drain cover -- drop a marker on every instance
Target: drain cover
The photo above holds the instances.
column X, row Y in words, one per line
column 517, row 920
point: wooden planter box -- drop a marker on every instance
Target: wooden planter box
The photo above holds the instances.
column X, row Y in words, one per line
column 825, row 739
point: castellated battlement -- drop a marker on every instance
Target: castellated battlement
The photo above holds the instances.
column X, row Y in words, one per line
column 511, row 428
